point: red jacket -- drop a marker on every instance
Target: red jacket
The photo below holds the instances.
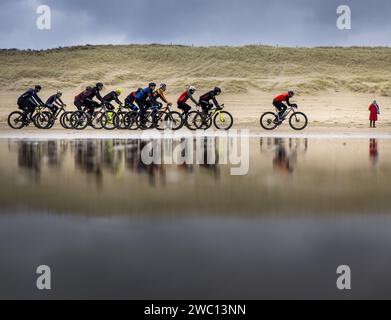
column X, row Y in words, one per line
column 183, row 97
column 373, row 112
column 281, row 97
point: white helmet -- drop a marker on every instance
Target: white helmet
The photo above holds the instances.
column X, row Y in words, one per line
column 192, row 88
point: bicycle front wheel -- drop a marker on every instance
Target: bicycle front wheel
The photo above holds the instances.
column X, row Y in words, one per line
column 65, row 120
column 298, row 121
column 144, row 120
column 174, row 121
column 190, row 120
column 96, row 120
column 223, row 120
column 269, row 121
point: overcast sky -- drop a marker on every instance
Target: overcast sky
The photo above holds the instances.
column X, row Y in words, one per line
column 198, row 22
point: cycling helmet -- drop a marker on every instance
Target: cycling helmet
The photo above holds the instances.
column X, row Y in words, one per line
column 152, row 84
column 193, row 88
column 217, row 90
column 59, row 93
column 38, row 87
column 118, row 91
column 99, row 84
column 163, row 86
column 291, row 93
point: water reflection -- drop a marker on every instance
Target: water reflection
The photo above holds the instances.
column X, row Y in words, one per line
column 285, row 175
column 373, row 152
column 115, row 157
column 286, row 152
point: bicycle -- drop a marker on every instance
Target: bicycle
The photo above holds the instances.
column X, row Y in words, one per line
column 221, row 119
column 298, row 120
column 65, row 118
column 102, row 118
column 39, row 117
column 165, row 118
column 127, row 119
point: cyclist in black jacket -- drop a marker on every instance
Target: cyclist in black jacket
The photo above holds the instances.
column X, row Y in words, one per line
column 205, row 99
column 88, row 98
column 53, row 100
column 29, row 100
column 113, row 96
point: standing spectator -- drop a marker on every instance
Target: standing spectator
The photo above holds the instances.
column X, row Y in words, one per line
column 374, row 110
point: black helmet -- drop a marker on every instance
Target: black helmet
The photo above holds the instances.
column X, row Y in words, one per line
column 152, row 84
column 291, row 93
column 217, row 90
column 38, row 87
column 99, row 84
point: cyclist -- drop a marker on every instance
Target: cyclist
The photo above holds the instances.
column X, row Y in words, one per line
column 144, row 98
column 182, row 100
column 113, row 96
column 281, row 107
column 159, row 94
column 79, row 99
column 90, row 95
column 131, row 99
column 205, row 99
column 53, row 100
column 29, row 100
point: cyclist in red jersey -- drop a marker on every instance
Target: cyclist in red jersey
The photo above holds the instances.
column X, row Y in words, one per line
column 281, row 107
column 182, row 100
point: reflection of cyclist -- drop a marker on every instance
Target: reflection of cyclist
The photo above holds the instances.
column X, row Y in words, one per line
column 282, row 162
column 29, row 100
column 205, row 99
column 54, row 102
column 90, row 95
column 281, row 107
column 182, row 100
column 113, row 96
column 131, row 99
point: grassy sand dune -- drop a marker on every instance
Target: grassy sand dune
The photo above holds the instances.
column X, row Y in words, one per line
column 308, row 70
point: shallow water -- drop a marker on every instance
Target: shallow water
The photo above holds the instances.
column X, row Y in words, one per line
column 111, row 227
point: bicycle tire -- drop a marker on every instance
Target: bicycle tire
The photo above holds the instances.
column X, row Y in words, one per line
column 294, row 117
column 218, row 117
column 12, row 122
column 270, row 122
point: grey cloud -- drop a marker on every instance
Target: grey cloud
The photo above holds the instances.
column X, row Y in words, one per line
column 201, row 22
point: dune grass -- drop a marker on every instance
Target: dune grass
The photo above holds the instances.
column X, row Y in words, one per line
column 235, row 69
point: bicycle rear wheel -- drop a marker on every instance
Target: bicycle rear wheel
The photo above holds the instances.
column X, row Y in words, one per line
column 145, row 120
column 203, row 121
column 15, row 120
column 79, row 120
column 223, row 120
column 110, row 120
column 131, row 120
column 269, row 121
column 298, row 121
column 123, row 120
column 43, row 120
